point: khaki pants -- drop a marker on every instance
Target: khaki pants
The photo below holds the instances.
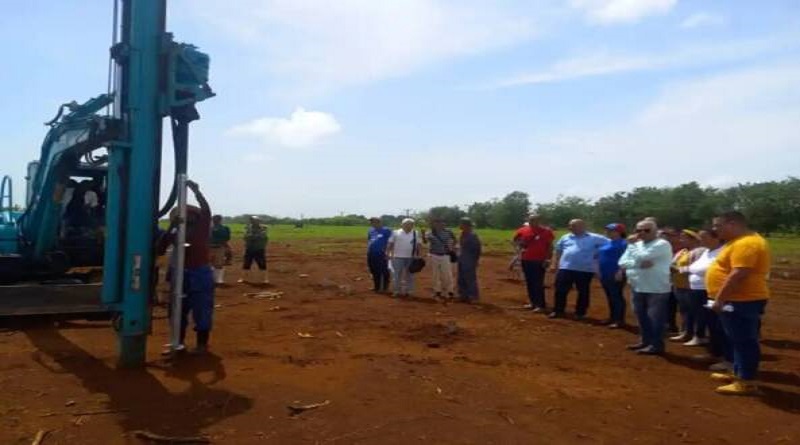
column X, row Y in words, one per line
column 442, row 273
column 218, row 257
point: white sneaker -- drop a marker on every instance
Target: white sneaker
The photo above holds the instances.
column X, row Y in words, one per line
column 682, row 337
column 696, row 341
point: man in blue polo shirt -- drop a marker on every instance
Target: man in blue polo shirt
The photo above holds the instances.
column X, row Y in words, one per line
column 377, row 239
column 575, row 260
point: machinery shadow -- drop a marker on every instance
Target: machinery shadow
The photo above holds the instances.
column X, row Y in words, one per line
column 784, row 344
column 143, row 402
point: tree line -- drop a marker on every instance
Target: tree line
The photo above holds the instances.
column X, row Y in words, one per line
column 772, row 206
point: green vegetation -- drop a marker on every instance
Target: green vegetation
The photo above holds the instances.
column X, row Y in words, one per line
column 785, row 247
column 771, row 207
column 495, row 240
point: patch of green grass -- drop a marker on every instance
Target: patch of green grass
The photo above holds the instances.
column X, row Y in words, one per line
column 494, row 240
column 785, row 247
column 283, row 233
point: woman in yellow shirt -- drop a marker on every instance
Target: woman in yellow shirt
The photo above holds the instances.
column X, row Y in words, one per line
column 693, row 331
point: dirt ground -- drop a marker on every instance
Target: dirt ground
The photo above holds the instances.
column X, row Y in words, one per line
column 395, row 372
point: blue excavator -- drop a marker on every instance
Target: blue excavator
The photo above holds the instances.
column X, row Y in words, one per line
column 83, row 244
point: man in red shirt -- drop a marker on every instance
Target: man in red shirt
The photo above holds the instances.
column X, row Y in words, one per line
column 536, row 242
column 198, row 278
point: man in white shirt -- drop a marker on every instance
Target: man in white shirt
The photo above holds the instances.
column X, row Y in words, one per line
column 647, row 265
column 404, row 246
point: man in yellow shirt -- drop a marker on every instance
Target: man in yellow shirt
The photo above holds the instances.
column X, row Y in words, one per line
column 737, row 282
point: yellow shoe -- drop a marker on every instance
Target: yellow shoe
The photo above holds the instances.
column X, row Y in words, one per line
column 723, row 377
column 739, row 388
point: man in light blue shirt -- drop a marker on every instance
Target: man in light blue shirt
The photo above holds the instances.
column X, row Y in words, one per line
column 576, row 261
column 647, row 266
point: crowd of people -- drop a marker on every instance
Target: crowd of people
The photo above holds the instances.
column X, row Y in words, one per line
column 716, row 278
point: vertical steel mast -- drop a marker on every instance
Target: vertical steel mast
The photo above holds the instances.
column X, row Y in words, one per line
column 135, row 173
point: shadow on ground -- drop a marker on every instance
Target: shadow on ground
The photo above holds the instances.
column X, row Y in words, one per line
column 143, row 401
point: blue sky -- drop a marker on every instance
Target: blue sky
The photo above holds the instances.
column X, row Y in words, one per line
column 360, row 106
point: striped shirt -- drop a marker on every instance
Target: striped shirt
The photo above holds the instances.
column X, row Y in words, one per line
column 441, row 242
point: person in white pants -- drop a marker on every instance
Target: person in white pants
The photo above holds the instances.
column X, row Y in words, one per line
column 404, row 246
column 220, row 237
column 442, row 251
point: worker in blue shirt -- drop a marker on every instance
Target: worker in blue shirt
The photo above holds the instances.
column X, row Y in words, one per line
column 613, row 283
column 377, row 240
column 575, row 263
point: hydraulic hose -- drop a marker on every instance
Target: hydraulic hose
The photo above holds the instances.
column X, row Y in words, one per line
column 180, row 143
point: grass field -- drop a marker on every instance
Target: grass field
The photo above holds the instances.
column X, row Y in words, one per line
column 495, row 240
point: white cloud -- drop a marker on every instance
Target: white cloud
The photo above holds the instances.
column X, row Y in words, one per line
column 737, row 126
column 302, row 129
column 717, row 130
column 327, row 45
column 605, row 63
column 606, row 12
column 701, row 19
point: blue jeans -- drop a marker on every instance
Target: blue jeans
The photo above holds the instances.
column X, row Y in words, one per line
column 742, row 328
column 616, row 298
column 719, row 343
column 651, row 311
column 402, row 277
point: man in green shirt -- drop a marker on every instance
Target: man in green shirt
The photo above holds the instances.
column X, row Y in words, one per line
column 255, row 249
column 220, row 236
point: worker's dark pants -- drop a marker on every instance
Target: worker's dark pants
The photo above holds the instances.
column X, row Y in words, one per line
column 565, row 280
column 198, row 288
column 616, row 298
column 379, row 268
column 259, row 256
column 534, row 281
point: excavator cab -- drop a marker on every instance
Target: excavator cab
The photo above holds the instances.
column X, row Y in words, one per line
column 93, row 195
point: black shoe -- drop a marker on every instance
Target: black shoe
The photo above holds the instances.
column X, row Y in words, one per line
column 202, row 342
column 555, row 315
column 579, row 317
column 199, row 350
column 636, row 346
column 649, row 351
